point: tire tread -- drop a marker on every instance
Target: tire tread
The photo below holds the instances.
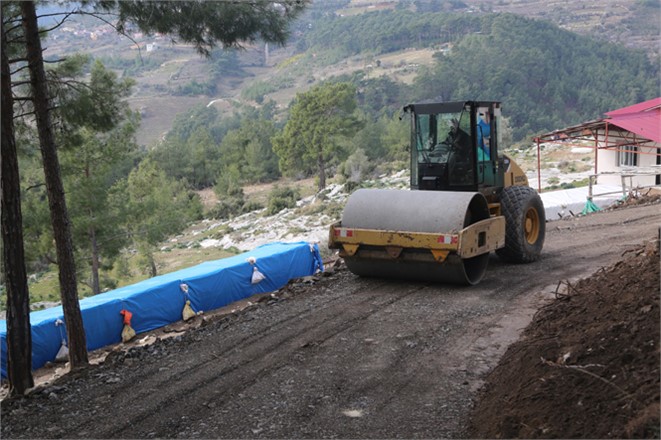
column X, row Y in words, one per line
column 514, row 201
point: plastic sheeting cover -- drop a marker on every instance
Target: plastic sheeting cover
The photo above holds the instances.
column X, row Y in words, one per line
column 159, row 301
column 562, row 203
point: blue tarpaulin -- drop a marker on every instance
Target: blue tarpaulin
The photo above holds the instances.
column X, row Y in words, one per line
column 159, row 301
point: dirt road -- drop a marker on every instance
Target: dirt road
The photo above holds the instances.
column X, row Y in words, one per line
column 346, row 357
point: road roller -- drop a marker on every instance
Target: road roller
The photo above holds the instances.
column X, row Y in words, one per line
column 466, row 199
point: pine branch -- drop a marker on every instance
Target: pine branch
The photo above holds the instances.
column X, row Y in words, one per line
column 16, row 60
column 67, row 15
column 35, row 186
column 117, row 29
column 20, row 83
column 19, row 116
column 18, row 26
column 19, row 69
column 54, row 61
column 50, row 259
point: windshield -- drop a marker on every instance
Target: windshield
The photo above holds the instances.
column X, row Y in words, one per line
column 437, row 134
column 443, row 151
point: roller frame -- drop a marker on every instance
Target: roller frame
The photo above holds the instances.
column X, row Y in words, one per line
column 476, row 239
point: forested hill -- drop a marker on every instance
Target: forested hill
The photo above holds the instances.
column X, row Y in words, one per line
column 546, row 76
column 387, row 31
column 222, row 122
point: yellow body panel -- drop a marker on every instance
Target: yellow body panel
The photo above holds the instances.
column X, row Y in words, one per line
column 514, row 175
column 476, row 239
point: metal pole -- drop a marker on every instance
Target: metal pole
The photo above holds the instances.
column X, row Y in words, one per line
column 596, row 154
column 539, row 167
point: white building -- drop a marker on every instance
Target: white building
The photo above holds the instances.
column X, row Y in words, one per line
column 627, row 144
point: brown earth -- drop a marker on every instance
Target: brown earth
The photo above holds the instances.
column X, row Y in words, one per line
column 587, row 366
column 345, row 357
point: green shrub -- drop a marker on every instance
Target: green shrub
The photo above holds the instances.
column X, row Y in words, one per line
column 252, row 205
column 318, row 207
column 231, row 203
column 356, row 167
column 226, row 208
column 233, row 250
column 569, row 185
column 350, row 186
column 281, row 198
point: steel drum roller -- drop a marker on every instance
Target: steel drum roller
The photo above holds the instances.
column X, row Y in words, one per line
column 416, row 211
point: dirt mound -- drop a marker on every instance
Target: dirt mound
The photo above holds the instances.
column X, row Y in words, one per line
column 646, row 196
column 588, row 364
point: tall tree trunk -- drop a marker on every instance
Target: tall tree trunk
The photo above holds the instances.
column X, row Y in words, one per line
column 96, row 286
column 58, row 209
column 322, row 171
column 19, row 336
column 152, row 262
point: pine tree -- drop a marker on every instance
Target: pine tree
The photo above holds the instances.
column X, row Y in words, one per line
column 319, row 119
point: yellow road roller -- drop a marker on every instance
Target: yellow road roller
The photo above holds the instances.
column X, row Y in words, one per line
column 466, row 200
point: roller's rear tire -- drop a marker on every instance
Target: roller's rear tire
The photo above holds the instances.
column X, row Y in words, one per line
column 525, row 224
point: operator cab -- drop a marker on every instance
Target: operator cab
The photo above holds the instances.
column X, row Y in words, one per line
column 454, row 146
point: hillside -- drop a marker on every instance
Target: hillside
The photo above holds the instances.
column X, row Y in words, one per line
column 633, row 24
column 173, row 78
column 198, row 116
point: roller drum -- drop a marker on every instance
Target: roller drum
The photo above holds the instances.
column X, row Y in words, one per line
column 416, row 211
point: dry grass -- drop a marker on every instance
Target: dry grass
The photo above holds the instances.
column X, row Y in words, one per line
column 177, row 259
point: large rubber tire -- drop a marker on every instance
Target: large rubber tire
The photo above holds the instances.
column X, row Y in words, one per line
column 525, row 224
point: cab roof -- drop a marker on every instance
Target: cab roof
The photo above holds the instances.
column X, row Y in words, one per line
column 430, row 107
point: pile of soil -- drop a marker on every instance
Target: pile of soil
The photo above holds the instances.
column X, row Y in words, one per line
column 588, row 364
column 647, row 196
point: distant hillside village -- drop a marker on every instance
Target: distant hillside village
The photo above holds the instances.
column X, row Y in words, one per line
column 105, row 34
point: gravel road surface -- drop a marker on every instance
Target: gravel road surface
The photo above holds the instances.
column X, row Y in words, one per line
column 344, row 357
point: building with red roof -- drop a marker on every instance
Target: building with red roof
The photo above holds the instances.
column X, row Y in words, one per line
column 627, row 144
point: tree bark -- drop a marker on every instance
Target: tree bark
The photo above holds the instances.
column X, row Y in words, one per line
column 19, row 336
column 152, row 265
column 322, row 171
column 56, row 201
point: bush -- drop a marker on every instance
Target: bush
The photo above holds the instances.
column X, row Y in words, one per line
column 356, row 167
column 257, row 90
column 252, row 206
column 350, row 186
column 281, row 198
column 225, row 209
column 568, row 185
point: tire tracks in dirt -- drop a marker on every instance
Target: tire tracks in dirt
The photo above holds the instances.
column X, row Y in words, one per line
column 405, row 359
column 227, row 376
